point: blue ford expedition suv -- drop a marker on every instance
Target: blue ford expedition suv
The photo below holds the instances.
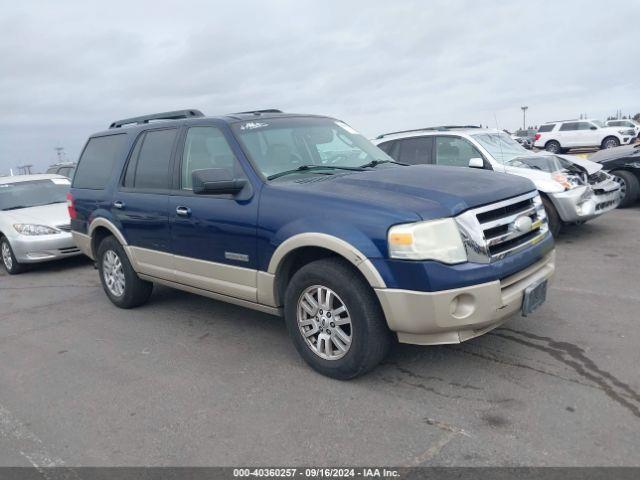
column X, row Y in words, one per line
column 301, row 216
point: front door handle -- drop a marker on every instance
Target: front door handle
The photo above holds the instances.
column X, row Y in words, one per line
column 118, row 204
column 183, row 211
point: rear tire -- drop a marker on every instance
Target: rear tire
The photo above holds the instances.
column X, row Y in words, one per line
column 119, row 280
column 555, row 222
column 9, row 261
column 629, row 187
column 610, row 142
column 363, row 333
column 553, row 147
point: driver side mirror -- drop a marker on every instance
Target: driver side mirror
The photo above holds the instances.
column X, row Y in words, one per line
column 593, row 127
column 476, row 163
column 216, row 181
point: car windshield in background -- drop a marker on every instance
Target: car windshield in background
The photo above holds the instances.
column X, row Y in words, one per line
column 598, row 123
column 310, row 145
column 33, row 193
column 545, row 163
column 501, row 146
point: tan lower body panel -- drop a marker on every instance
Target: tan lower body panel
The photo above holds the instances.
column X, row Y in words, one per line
column 83, row 242
column 453, row 316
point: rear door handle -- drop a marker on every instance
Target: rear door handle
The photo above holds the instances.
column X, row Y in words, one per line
column 118, row 204
column 183, row 211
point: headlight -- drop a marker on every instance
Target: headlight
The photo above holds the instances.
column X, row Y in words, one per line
column 29, row 229
column 568, row 181
column 627, row 132
column 433, row 240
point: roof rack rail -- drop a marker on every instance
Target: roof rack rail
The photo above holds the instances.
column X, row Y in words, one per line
column 440, row 128
column 175, row 115
column 258, row 112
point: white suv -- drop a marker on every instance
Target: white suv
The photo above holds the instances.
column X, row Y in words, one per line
column 573, row 190
column 556, row 137
column 625, row 124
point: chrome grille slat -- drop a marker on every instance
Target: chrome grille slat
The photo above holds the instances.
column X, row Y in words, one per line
column 507, row 220
column 502, row 232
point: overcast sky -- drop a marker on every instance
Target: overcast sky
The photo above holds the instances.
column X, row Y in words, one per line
column 68, row 69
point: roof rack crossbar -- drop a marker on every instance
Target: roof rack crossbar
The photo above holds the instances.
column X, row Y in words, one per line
column 440, row 128
column 258, row 112
column 175, row 115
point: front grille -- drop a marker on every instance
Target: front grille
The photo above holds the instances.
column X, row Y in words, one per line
column 65, row 228
column 494, row 231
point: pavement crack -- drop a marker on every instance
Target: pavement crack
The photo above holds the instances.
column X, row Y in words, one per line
column 574, row 357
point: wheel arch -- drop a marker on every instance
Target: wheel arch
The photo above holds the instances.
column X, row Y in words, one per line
column 304, row 248
column 101, row 228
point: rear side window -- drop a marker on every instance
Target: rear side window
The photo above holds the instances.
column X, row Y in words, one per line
column 416, row 151
column 546, row 128
column 569, row 126
column 615, row 124
column 95, row 167
column 149, row 164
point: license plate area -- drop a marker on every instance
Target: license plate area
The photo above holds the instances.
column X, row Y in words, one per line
column 534, row 296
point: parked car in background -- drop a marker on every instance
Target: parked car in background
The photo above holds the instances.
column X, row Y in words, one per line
column 34, row 221
column 524, row 141
column 300, row 215
column 624, row 164
column 627, row 123
column 561, row 136
column 66, row 169
column 573, row 190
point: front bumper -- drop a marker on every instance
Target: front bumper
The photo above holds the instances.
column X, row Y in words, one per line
column 584, row 203
column 42, row 248
column 453, row 316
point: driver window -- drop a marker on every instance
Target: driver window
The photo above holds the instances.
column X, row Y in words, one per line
column 455, row 152
column 206, row 147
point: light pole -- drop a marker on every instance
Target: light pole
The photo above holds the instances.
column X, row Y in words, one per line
column 524, row 117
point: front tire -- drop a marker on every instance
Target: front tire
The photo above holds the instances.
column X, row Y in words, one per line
column 334, row 319
column 555, row 222
column 629, row 187
column 119, row 280
column 9, row 261
column 610, row 142
column 553, row 147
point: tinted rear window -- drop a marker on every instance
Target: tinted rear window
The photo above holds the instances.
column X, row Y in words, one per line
column 149, row 164
column 95, row 167
column 569, row 126
column 546, row 128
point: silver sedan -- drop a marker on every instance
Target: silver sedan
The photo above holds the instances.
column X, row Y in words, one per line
column 34, row 220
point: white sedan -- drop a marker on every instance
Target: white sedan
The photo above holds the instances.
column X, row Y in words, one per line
column 34, row 220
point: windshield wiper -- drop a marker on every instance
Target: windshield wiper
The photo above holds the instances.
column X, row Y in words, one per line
column 303, row 168
column 375, row 163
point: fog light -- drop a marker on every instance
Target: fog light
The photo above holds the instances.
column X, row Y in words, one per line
column 462, row 306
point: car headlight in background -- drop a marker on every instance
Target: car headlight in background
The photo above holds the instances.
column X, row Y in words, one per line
column 30, row 229
column 433, row 240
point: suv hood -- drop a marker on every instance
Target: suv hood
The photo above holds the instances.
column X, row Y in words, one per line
column 50, row 215
column 430, row 191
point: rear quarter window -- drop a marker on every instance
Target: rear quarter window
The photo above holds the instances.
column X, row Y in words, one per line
column 546, row 128
column 98, row 160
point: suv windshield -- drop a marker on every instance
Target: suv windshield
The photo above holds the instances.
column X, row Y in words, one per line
column 33, row 193
column 598, row 123
column 306, row 145
column 501, row 146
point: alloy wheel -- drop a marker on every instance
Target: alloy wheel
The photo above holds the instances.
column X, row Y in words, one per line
column 6, row 256
column 113, row 273
column 324, row 322
column 623, row 186
column 611, row 143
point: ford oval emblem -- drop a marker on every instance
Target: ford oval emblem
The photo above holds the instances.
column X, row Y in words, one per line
column 523, row 224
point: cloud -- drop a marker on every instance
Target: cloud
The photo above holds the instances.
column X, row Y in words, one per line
column 70, row 68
